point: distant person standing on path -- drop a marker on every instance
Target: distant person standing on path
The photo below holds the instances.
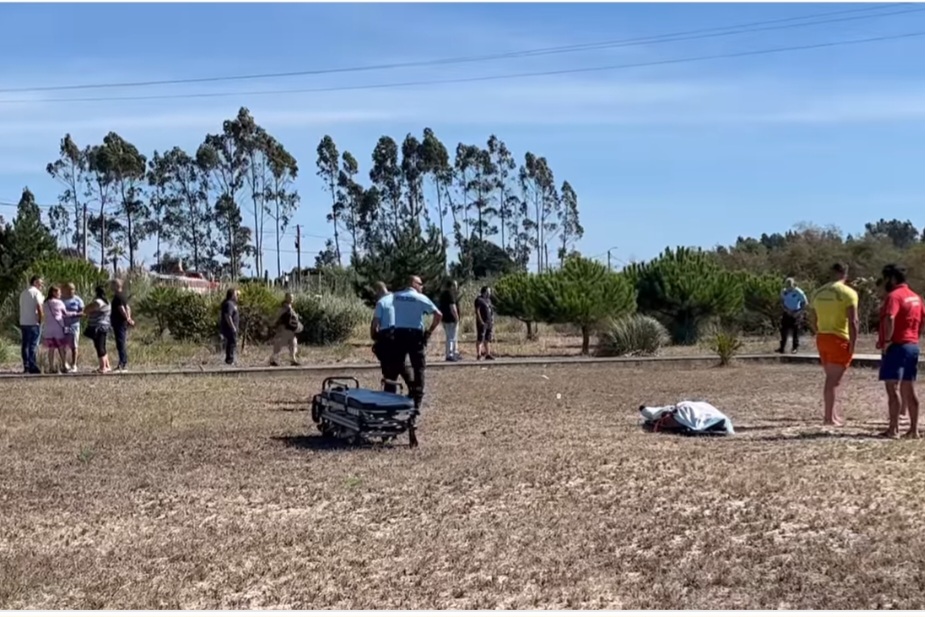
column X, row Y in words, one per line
column 794, row 302
column 121, row 319
column 99, row 316
column 31, row 315
column 55, row 333
column 228, row 325
column 75, row 308
column 288, row 325
column 449, row 306
column 902, row 317
column 835, row 322
column 484, row 324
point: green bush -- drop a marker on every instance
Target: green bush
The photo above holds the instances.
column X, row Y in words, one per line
column 762, row 300
column 258, row 306
column 685, row 288
column 634, row 335
column 329, row 320
column 157, row 306
column 189, row 316
column 55, row 271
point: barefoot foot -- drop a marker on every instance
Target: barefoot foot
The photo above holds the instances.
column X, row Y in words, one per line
column 911, row 435
column 890, row 434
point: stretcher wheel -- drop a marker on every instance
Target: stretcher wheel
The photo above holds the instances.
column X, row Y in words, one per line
column 327, row 431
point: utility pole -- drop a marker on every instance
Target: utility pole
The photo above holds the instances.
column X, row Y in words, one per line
column 609, row 267
column 298, row 255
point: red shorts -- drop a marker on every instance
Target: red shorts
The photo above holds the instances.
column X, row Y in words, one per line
column 833, row 349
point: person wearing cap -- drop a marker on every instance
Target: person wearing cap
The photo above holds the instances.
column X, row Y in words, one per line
column 793, row 302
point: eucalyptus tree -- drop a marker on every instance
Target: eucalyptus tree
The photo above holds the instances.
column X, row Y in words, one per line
column 328, row 170
column 69, row 170
column 282, row 200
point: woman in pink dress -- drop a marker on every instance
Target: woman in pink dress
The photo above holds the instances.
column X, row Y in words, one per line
column 55, row 334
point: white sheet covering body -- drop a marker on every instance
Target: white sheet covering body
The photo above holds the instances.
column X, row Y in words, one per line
column 695, row 415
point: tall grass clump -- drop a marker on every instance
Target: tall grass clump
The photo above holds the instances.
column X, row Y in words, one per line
column 633, row 335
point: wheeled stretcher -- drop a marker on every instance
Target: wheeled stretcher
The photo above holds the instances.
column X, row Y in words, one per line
column 345, row 410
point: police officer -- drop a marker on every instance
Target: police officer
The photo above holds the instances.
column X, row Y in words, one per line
column 404, row 311
column 382, row 332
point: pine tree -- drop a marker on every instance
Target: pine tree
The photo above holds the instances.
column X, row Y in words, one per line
column 24, row 242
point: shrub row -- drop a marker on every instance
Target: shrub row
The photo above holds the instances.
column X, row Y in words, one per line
column 678, row 295
column 188, row 316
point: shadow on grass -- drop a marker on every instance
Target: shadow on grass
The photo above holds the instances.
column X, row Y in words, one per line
column 316, row 443
column 819, row 435
column 291, row 406
column 320, row 443
column 757, row 427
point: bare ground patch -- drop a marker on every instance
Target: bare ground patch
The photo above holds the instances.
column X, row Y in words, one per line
column 214, row 492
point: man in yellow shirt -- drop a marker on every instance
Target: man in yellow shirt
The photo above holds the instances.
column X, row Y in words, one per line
column 835, row 322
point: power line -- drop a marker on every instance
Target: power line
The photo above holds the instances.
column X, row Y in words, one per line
column 702, row 33
column 610, row 67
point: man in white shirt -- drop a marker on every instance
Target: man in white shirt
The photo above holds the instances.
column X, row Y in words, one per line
column 31, row 316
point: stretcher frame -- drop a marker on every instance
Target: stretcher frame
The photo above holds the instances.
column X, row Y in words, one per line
column 359, row 424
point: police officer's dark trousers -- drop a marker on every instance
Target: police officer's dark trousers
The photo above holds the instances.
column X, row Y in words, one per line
column 393, row 367
column 789, row 324
column 408, row 343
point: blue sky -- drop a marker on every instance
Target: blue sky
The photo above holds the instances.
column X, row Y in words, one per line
column 692, row 154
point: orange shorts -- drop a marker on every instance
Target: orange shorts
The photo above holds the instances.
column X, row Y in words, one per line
column 833, row 349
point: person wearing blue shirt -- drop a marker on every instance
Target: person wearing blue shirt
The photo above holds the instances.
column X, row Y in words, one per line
column 382, row 332
column 793, row 302
column 401, row 333
column 74, row 304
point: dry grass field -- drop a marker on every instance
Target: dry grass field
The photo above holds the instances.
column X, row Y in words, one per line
column 214, row 492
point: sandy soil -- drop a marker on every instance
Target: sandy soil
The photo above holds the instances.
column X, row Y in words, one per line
column 214, row 492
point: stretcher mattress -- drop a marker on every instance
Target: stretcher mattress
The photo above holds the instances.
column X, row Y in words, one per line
column 372, row 400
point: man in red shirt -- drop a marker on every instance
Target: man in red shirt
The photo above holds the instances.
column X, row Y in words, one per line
column 902, row 316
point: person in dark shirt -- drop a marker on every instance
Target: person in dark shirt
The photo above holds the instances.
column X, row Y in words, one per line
column 484, row 324
column 228, row 326
column 449, row 306
column 121, row 320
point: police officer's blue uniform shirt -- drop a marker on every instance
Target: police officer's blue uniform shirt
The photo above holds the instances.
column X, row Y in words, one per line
column 794, row 299
column 385, row 312
column 410, row 307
